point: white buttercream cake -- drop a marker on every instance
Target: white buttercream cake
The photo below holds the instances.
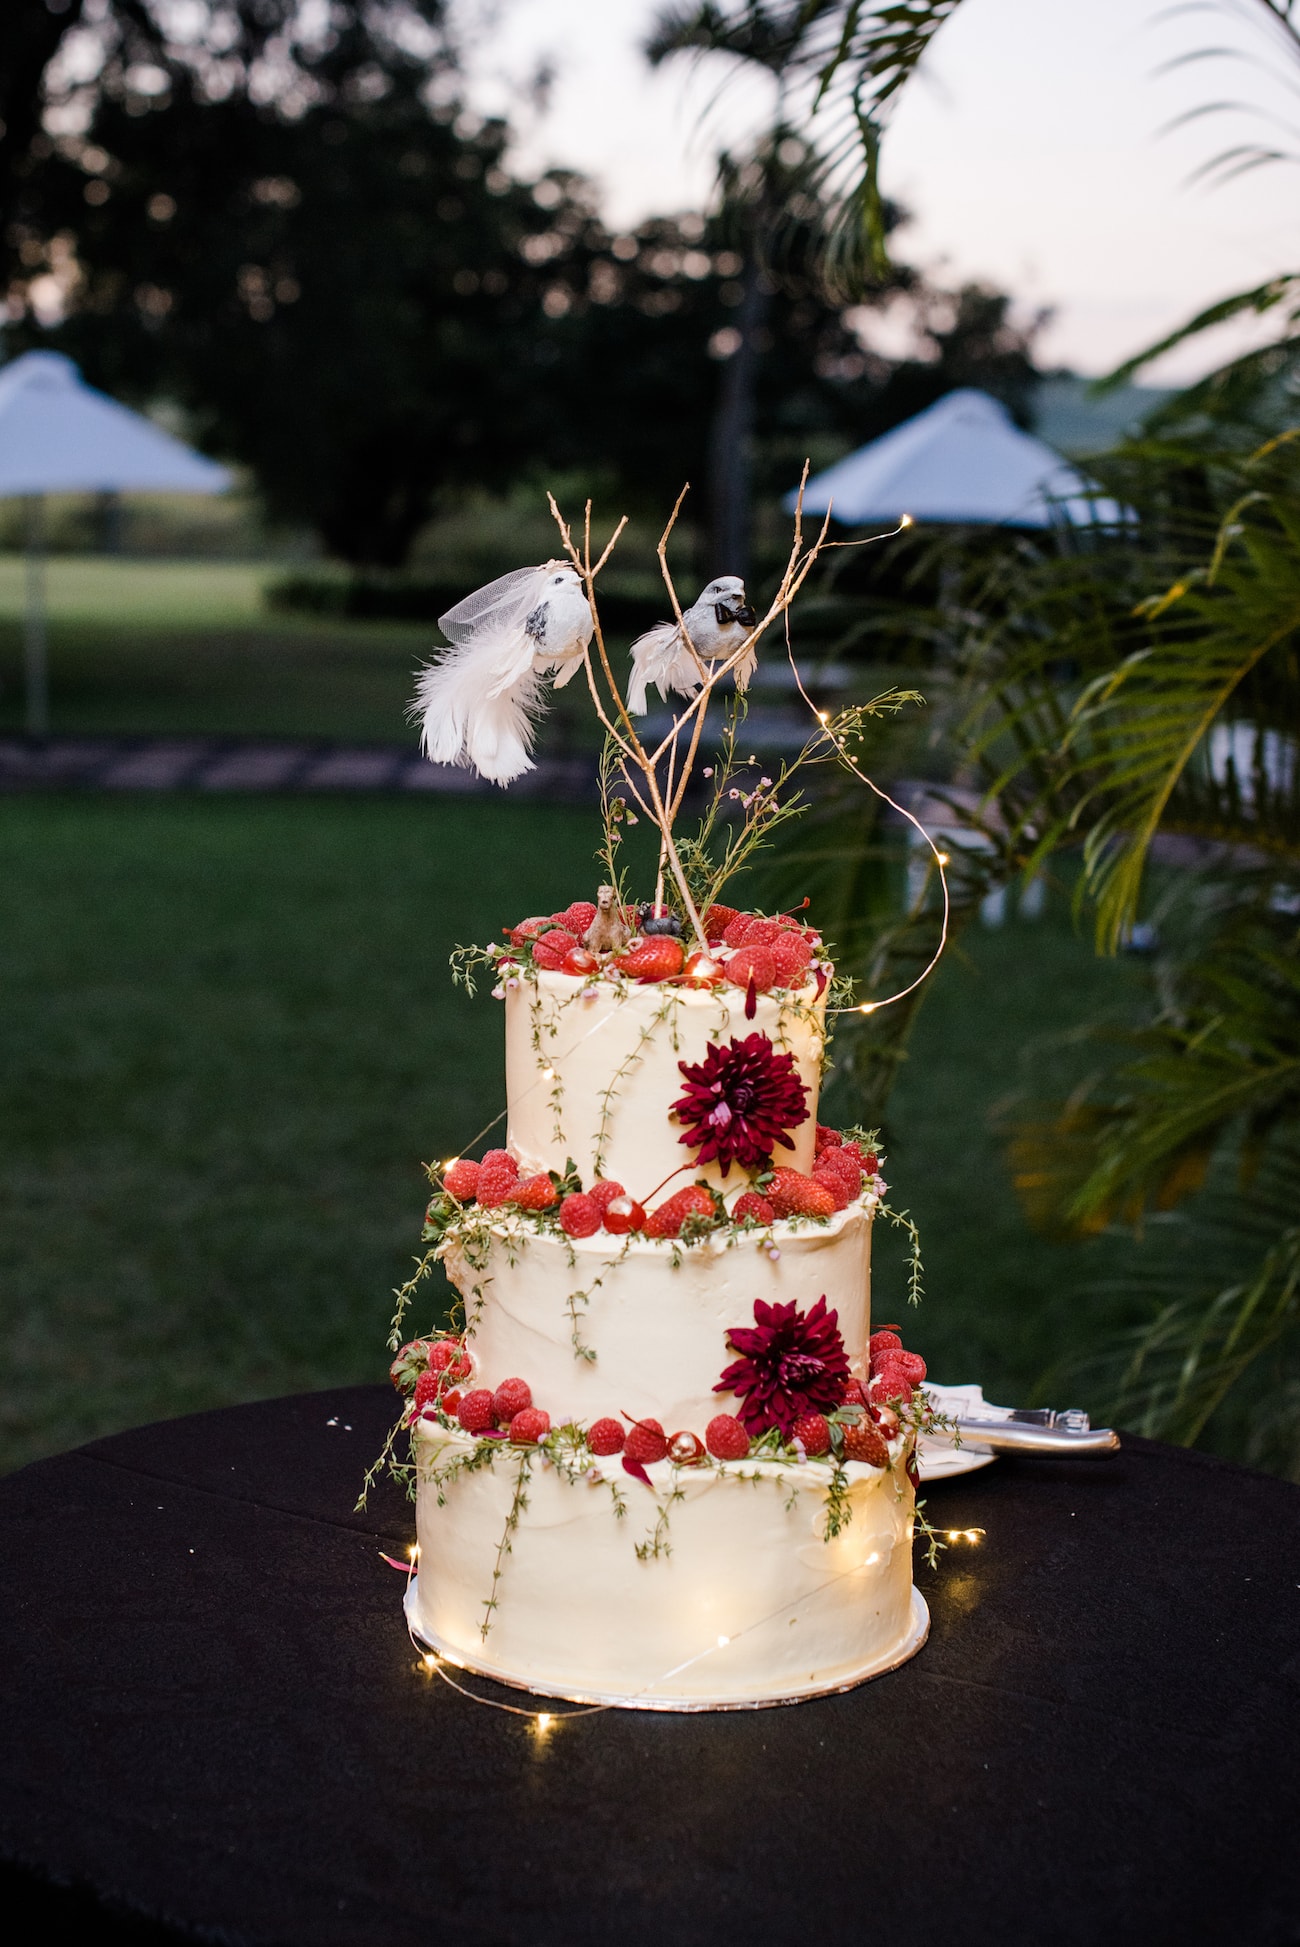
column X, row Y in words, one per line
column 664, row 1462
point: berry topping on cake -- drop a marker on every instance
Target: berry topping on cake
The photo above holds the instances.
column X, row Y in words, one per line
column 842, row 1192
column 753, row 1206
column 686, row 1450
column 791, row 1194
column 649, row 960
column 716, row 921
column 667, row 1220
column 576, row 918
column 477, row 1414
column 529, row 929
column 536, row 1193
column 864, row 1442
column 792, row 956
column 752, row 966
column 908, row 1365
column 736, row 930
column 739, row 1102
column 409, row 1364
column 550, row 949
column 461, row 1179
column 646, row 1442
column 580, row 960
column 702, row 970
column 450, row 1357
column 813, row 1434
column 426, row 1389
column 529, row 1426
column 726, row 1438
column 883, row 1340
column 827, row 1138
column 603, row 1192
column 790, row 1363
column 623, row 1214
column 855, row 1393
column 605, row 1437
column 511, row 1396
column 498, row 1174
column 889, row 1389
column 580, row 1216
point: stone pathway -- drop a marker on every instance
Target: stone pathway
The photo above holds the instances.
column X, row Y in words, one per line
column 252, row 764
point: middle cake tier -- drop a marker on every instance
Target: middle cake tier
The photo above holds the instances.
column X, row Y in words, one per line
column 638, row 1326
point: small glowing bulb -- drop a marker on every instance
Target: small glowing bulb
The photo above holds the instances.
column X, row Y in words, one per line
column 905, row 520
column 942, row 857
column 543, row 1721
column 868, row 1007
column 954, row 1534
column 823, row 716
column 451, row 1162
column 430, row 1661
column 723, row 1641
column 548, row 1074
column 414, row 1551
column 972, row 1534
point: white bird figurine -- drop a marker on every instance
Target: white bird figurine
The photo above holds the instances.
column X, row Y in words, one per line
column 478, row 704
column 717, row 624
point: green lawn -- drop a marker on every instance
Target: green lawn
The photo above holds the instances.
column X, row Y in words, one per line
column 228, row 1039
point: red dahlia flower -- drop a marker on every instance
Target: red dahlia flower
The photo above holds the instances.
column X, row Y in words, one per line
column 739, row 1103
column 790, row 1363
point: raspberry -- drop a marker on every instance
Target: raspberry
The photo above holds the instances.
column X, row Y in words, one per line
column 605, row 1437
column 762, row 932
column 462, row 1180
column 528, row 929
column 882, row 1341
column 791, row 1194
column 908, row 1365
column 833, row 1181
column 716, row 921
column 580, row 1216
column 660, row 958
column 733, row 933
column 888, row 1388
column 854, row 1150
column 855, row 1393
column 580, row 960
column 511, row 1396
column 603, row 1192
column 870, row 1162
column 426, row 1389
column 446, row 1356
column 535, row 1193
column 550, row 949
column 577, row 917
column 497, row 1176
column 814, row 1432
column 827, row 1138
column 838, row 1163
column 477, row 1413
column 668, row 1219
column 530, row 1426
column 752, row 1205
column 752, row 963
column 647, row 1442
column 726, row 1438
column 864, row 1443
column 623, row 1214
column 791, row 957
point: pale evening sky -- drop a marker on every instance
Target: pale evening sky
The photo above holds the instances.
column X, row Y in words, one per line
column 1028, row 149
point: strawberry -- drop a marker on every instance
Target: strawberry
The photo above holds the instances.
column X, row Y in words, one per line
column 659, row 958
column 528, row 929
column 535, row 1193
column 827, row 1138
column 889, row 1388
column 580, row 960
column 576, row 918
column 623, row 1214
column 726, row 1438
column 605, row 1437
column 752, row 1205
column 685, row 1450
column 733, row 933
column 580, row 1216
column 497, row 1175
column 550, row 949
column 814, row 1434
column 716, row 921
column 908, row 1365
column 667, row 1220
column 477, row 1413
column 604, row 1190
column 447, row 1356
column 647, row 1442
column 752, row 964
column 461, row 1179
column 884, row 1341
column 529, row 1426
column 794, row 1195
column 511, row 1396
column 409, row 1364
column 865, row 1443
column 791, row 957
column 854, row 1393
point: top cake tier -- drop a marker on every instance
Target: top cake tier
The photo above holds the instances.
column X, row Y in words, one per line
column 592, row 1071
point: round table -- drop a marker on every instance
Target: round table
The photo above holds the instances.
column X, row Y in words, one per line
column 216, row 1727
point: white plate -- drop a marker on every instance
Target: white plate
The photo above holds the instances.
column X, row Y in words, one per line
column 939, row 1460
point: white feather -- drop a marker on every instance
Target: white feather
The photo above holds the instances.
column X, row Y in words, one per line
column 662, row 656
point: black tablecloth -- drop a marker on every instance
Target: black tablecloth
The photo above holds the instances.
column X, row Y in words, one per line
column 213, row 1722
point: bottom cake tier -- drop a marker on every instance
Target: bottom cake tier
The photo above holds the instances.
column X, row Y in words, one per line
column 722, row 1587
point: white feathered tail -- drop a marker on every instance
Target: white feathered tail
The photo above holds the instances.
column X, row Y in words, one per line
column 661, row 657
column 478, row 705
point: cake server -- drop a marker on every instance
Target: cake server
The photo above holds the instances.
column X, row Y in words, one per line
column 1029, row 1429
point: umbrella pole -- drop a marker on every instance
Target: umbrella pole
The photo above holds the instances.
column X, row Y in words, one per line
column 36, row 659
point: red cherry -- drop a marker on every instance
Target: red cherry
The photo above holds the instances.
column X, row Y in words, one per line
column 580, row 960
column 685, row 1450
column 702, row 970
column 624, row 1214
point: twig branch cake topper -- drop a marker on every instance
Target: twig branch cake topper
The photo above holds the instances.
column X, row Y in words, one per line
column 480, row 701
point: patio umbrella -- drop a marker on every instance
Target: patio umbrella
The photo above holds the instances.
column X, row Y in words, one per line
column 961, row 461
column 58, row 435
